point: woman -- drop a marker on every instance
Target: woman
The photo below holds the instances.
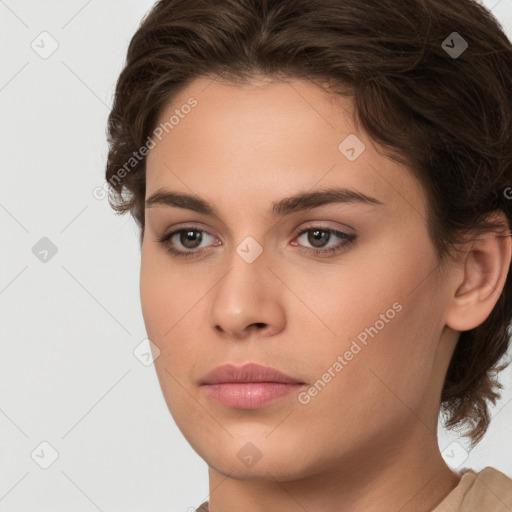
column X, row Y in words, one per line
column 322, row 191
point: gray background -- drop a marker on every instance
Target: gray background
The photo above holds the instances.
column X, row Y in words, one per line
column 70, row 321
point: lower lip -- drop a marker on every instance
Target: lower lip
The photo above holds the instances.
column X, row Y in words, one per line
column 249, row 395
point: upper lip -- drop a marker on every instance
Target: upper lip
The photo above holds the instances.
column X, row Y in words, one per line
column 250, row 372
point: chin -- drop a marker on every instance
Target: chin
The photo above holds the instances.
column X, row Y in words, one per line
column 255, row 457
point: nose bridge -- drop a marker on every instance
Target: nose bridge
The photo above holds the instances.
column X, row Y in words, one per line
column 246, row 282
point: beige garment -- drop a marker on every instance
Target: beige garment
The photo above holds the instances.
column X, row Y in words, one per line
column 489, row 490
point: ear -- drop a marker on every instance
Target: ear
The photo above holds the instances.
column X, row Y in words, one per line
column 479, row 282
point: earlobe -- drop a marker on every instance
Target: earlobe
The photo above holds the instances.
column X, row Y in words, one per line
column 485, row 270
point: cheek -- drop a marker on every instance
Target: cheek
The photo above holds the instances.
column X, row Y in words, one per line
column 383, row 382
column 166, row 292
column 171, row 301
column 169, row 304
column 394, row 366
column 152, row 296
column 388, row 336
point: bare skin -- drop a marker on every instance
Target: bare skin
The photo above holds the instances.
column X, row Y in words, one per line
column 368, row 439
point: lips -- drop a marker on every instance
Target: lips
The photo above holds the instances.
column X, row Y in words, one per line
column 250, row 372
column 251, row 386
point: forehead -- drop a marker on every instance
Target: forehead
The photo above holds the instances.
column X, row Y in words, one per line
column 269, row 139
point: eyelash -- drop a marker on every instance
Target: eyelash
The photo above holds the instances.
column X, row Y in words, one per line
column 347, row 240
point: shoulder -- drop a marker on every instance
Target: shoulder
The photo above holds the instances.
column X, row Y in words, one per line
column 495, row 488
column 487, row 490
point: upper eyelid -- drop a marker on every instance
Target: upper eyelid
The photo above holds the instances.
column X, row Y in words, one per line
column 309, row 225
column 191, row 227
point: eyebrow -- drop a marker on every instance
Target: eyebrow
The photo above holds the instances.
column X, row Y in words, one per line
column 300, row 202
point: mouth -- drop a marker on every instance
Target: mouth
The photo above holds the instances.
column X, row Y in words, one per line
column 250, row 386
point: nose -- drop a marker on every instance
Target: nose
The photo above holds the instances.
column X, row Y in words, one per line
column 248, row 301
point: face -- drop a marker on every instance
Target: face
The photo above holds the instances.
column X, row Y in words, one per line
column 334, row 291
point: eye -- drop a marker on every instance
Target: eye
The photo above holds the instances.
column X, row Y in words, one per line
column 319, row 237
column 191, row 238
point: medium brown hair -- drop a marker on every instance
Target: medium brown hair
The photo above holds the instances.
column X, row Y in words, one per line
column 447, row 117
